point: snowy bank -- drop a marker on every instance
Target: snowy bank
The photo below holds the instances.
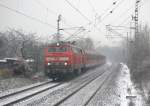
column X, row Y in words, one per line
column 129, row 95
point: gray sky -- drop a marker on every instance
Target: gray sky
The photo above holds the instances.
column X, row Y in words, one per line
column 48, row 10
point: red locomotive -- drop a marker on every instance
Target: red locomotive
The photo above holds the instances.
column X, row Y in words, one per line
column 63, row 58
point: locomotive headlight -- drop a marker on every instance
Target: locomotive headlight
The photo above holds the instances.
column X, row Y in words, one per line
column 57, row 44
column 48, row 64
column 65, row 63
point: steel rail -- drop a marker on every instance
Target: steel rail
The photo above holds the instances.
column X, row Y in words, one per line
column 74, row 92
column 101, row 85
column 4, row 102
column 22, row 90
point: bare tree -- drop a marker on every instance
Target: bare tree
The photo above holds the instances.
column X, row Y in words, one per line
column 16, row 43
column 85, row 43
column 139, row 52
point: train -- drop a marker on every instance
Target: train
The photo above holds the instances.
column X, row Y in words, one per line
column 64, row 58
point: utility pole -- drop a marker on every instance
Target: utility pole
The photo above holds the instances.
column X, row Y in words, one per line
column 136, row 19
column 136, row 36
column 58, row 28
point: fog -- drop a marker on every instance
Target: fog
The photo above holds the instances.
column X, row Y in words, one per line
column 97, row 11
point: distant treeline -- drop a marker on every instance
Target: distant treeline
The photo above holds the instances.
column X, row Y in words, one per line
column 139, row 54
column 19, row 44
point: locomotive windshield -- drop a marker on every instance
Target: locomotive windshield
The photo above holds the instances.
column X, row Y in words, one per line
column 57, row 49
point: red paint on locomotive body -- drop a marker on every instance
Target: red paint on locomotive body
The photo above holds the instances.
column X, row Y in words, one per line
column 56, row 56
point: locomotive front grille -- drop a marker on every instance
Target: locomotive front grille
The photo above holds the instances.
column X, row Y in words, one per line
column 57, row 64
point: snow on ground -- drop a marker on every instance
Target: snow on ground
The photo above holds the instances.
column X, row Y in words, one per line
column 15, row 82
column 84, row 94
column 128, row 92
column 146, row 90
column 145, row 86
column 118, row 91
column 108, row 95
column 49, row 98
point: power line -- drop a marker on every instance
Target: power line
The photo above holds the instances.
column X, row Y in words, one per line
column 94, row 10
column 121, row 1
column 90, row 22
column 108, row 9
column 27, row 16
column 51, row 11
column 107, row 14
column 67, row 22
column 122, row 14
column 78, row 11
column 112, row 10
column 67, row 32
column 114, row 3
column 126, row 11
column 125, row 20
column 44, row 6
column 85, row 17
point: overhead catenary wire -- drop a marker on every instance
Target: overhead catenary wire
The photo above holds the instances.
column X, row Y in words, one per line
column 52, row 12
column 93, row 9
column 85, row 17
column 125, row 20
column 110, row 11
column 103, row 16
column 120, row 25
column 67, row 32
column 81, row 29
column 90, row 23
column 44, row 6
column 66, row 22
column 27, row 16
column 36, row 19
column 117, row 5
column 123, row 13
column 98, row 18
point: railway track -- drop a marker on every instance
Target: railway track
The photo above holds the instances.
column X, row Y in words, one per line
column 22, row 94
column 82, row 87
column 101, row 85
column 33, row 91
column 17, row 90
column 54, row 97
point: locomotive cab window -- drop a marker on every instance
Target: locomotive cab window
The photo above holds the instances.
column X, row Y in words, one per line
column 57, row 49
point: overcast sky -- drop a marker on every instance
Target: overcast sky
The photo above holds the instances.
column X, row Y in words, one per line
column 48, row 10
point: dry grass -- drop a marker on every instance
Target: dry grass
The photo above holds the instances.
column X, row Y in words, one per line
column 6, row 73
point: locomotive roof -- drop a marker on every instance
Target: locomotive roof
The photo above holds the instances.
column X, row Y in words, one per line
column 65, row 44
column 93, row 52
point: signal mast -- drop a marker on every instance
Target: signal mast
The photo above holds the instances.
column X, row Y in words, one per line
column 58, row 29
